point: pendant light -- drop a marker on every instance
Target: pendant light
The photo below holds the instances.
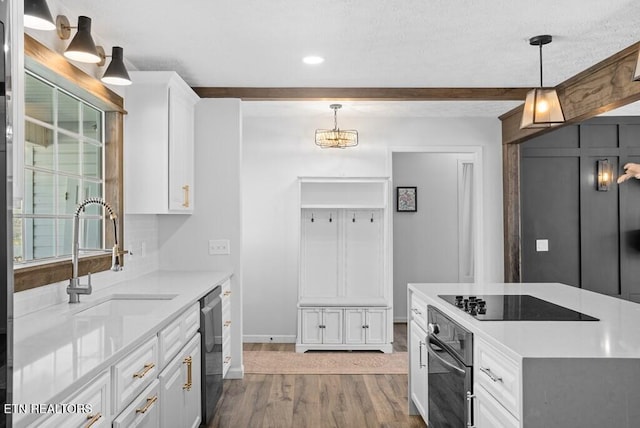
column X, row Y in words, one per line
column 82, row 48
column 542, row 107
column 37, row 15
column 336, row 138
column 116, row 73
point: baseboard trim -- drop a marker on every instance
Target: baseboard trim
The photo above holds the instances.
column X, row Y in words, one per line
column 400, row 319
column 235, row 373
column 265, row 338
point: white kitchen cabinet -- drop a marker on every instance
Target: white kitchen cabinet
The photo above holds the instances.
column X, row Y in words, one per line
column 365, row 326
column 489, row 413
column 133, row 373
column 344, row 265
column 499, row 375
column 226, row 326
column 159, row 144
column 96, row 394
column 143, row 412
column 322, row 326
column 180, row 404
column 418, row 370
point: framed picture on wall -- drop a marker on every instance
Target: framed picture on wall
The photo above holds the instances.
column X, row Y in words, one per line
column 407, row 199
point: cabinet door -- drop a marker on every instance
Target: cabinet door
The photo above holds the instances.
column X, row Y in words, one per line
column 418, row 369
column 171, row 396
column 332, row 330
column 311, row 322
column 355, row 325
column 488, row 413
column 181, row 159
column 192, row 404
column 375, row 326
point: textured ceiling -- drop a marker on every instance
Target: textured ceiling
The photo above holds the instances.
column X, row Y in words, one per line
column 378, row 43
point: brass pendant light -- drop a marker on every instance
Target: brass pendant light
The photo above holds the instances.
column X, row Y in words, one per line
column 336, row 138
column 542, row 107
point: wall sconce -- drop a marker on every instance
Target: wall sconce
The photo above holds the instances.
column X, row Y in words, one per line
column 82, row 47
column 116, row 73
column 603, row 175
column 37, row 15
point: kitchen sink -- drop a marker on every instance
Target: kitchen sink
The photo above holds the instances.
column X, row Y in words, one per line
column 119, row 305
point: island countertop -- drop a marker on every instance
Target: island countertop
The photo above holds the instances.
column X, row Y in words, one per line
column 57, row 349
column 615, row 335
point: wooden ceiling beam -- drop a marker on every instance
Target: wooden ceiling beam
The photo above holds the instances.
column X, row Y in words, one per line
column 364, row 94
column 598, row 89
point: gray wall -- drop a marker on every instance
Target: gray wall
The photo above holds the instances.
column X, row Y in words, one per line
column 594, row 237
column 425, row 243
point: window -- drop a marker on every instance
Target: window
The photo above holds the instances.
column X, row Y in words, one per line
column 63, row 165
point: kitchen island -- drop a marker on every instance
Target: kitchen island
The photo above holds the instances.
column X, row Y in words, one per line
column 539, row 373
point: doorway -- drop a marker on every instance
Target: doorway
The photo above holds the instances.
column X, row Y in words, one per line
column 440, row 240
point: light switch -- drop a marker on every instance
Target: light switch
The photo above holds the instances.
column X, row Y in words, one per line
column 542, row 245
column 219, row 246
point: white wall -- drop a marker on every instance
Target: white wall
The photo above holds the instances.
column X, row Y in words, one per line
column 217, row 208
column 276, row 150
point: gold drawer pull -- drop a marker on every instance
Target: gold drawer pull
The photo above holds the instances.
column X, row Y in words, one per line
column 150, row 402
column 144, row 371
column 227, row 293
column 227, row 360
column 92, row 419
column 188, row 361
column 227, row 323
column 186, row 196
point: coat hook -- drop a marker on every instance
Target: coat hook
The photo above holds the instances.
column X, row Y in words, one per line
column 312, row 219
column 371, row 217
column 354, row 218
column 330, row 218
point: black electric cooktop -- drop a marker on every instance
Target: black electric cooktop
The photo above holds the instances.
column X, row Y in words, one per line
column 514, row 307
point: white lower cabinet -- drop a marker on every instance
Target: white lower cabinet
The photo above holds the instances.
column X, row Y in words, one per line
column 96, row 394
column 133, row 373
column 488, row 413
column 180, row 404
column 226, row 326
column 322, row 326
column 144, row 411
column 365, row 325
column 418, row 371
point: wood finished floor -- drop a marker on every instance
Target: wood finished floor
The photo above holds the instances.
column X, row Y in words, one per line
column 310, row 401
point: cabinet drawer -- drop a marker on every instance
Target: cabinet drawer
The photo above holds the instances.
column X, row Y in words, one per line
column 419, row 311
column 499, row 375
column 96, row 394
column 488, row 413
column 191, row 322
column 143, row 411
column 170, row 341
column 133, row 373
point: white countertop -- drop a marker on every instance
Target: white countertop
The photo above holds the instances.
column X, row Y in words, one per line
column 616, row 335
column 55, row 351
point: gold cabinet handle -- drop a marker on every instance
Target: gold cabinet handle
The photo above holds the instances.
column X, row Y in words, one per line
column 150, row 402
column 144, row 371
column 92, row 419
column 186, row 196
column 188, row 361
column 227, row 323
column 227, row 360
column 227, row 293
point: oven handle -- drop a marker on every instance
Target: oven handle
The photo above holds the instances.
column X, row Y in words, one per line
column 444, row 362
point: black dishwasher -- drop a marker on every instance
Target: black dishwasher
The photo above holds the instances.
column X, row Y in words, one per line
column 211, row 333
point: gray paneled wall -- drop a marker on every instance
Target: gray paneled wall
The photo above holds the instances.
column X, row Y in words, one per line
column 593, row 237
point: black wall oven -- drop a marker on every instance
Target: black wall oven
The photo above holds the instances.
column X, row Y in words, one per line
column 211, row 333
column 450, row 372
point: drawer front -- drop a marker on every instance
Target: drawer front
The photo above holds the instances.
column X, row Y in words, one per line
column 97, row 394
column 144, row 411
column 170, row 341
column 419, row 311
column 133, row 373
column 499, row 375
column 191, row 322
column 488, row 413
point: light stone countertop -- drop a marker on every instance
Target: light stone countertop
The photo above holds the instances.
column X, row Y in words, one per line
column 56, row 351
column 616, row 335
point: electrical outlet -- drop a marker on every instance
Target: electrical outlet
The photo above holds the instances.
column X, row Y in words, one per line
column 219, row 246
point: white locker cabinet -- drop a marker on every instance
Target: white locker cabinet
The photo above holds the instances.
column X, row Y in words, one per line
column 365, row 326
column 159, row 144
column 322, row 326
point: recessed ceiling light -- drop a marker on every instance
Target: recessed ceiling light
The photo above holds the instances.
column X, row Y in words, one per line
column 313, row 60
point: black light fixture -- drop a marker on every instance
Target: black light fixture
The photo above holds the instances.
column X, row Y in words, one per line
column 542, row 107
column 82, row 47
column 116, row 73
column 37, row 15
column 603, row 175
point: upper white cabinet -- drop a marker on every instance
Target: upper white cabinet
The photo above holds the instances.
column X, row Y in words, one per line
column 159, row 144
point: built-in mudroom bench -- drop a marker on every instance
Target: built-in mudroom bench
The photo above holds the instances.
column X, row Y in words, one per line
column 344, row 293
